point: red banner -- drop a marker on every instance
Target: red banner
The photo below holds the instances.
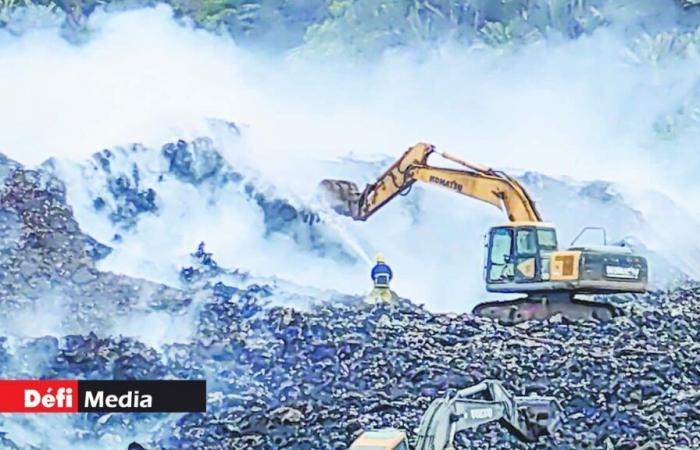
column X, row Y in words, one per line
column 42, row 396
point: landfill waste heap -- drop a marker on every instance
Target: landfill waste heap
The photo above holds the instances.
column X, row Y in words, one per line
column 280, row 378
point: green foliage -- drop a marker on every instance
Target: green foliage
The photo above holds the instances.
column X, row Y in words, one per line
column 364, row 27
column 367, row 28
column 659, row 48
column 16, row 16
column 281, row 23
column 9, row 5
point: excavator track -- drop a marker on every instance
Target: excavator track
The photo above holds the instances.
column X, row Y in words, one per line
column 545, row 306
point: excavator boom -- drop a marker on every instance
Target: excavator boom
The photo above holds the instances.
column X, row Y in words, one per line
column 481, row 183
column 527, row 418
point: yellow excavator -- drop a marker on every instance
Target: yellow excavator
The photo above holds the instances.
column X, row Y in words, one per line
column 522, row 255
column 527, row 418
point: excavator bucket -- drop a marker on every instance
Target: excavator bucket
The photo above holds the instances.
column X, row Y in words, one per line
column 541, row 416
column 342, row 196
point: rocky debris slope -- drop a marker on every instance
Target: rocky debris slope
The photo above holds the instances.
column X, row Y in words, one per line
column 44, row 255
column 280, row 378
column 123, row 186
column 313, row 380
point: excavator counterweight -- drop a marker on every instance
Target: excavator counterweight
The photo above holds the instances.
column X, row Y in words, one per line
column 522, row 256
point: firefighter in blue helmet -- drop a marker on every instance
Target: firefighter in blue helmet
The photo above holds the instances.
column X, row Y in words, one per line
column 381, row 276
column 381, row 272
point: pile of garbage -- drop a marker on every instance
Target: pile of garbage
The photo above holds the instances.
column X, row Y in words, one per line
column 286, row 379
column 280, row 378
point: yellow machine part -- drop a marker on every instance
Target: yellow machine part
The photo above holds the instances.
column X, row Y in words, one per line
column 492, row 189
column 564, row 265
column 481, row 183
column 379, row 440
column 527, row 268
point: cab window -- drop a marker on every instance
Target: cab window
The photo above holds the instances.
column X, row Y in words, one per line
column 547, row 238
column 501, row 244
column 402, row 446
column 499, row 260
column 526, row 242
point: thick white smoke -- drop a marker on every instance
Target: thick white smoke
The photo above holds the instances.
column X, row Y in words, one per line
column 571, row 108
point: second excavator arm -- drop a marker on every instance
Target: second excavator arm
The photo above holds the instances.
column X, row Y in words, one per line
column 472, row 180
column 526, row 417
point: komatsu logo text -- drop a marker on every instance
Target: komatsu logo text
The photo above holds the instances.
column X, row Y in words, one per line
column 447, row 183
column 630, row 273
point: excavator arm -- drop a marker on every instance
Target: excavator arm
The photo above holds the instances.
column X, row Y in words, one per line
column 528, row 418
column 482, row 183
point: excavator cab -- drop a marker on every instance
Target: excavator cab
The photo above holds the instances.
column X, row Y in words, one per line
column 519, row 253
column 524, row 257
